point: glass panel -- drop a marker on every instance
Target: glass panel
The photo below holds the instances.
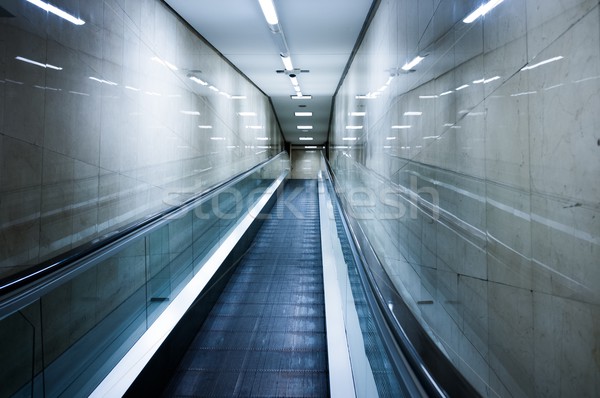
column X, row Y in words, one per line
column 93, row 319
column 17, row 346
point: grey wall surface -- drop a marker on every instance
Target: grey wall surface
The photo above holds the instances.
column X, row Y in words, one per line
column 496, row 131
column 105, row 127
column 306, row 163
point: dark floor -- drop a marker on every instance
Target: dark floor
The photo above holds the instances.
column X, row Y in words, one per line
column 265, row 337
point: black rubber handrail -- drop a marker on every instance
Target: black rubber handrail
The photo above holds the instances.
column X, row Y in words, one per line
column 437, row 375
column 34, row 274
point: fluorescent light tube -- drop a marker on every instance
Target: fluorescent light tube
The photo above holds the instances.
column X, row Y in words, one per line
column 57, row 11
column 303, row 113
column 310, row 147
column 294, row 80
column 461, row 87
column 349, row 139
column 246, row 113
column 409, row 113
column 409, row 65
column 199, row 81
column 401, row 127
column 30, row 61
column 446, row 93
column 205, row 126
column 305, row 127
column 287, row 63
column 213, row 88
column 262, row 138
column 481, row 11
column 354, row 127
column 268, row 9
column 305, row 138
column 543, row 63
column 300, row 96
column 358, row 113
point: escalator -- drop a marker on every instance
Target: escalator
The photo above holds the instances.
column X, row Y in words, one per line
column 265, row 336
column 276, row 301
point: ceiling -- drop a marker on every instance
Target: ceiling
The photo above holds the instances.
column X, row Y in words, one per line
column 320, row 35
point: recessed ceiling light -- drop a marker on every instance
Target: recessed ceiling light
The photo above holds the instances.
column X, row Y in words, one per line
column 217, row 138
column 247, row 113
column 349, row 138
column 305, row 138
column 310, row 147
column 401, row 127
column 254, row 127
column 305, row 127
column 413, row 113
column 354, row 127
column 301, row 96
column 303, row 113
column 262, row 138
column 193, row 113
column 205, row 126
column 358, row 113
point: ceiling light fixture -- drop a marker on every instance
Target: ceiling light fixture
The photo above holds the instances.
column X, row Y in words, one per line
column 205, row 126
column 305, row 138
column 461, row 87
column 247, row 113
column 303, row 113
column 287, row 62
column 30, row 61
column 481, row 11
column 543, row 63
column 268, row 10
column 294, row 80
column 409, row 65
column 354, row 127
column 310, row 147
column 57, row 11
column 358, row 113
column 305, row 127
column 197, row 80
column 349, row 139
column 300, row 96
column 401, row 127
column 409, row 113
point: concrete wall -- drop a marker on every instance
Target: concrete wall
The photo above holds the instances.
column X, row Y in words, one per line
column 505, row 274
column 119, row 131
column 306, row 163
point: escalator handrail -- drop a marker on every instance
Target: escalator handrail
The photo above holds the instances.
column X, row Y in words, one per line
column 418, row 366
column 31, row 282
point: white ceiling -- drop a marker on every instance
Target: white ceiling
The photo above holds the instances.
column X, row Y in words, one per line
column 320, row 35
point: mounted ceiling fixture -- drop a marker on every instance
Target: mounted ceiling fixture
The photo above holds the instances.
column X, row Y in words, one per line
column 270, row 13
